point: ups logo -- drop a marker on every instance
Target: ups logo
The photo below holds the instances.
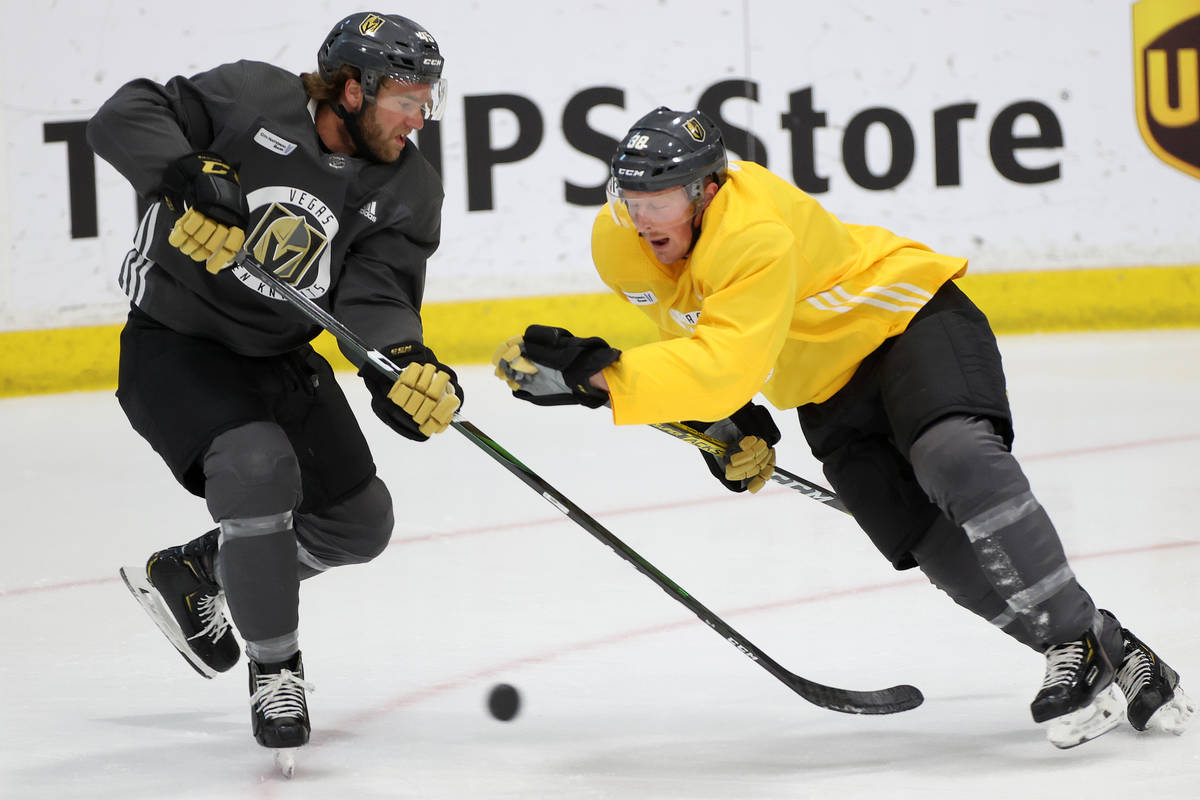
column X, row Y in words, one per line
column 1166, row 60
column 285, row 244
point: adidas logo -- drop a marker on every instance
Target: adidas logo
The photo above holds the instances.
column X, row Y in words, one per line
column 368, row 211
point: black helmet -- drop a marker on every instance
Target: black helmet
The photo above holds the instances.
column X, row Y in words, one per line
column 669, row 148
column 384, row 46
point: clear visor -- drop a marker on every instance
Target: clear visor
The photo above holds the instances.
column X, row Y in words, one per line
column 646, row 211
column 411, row 97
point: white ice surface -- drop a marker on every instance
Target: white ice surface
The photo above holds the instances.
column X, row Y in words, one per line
column 625, row 693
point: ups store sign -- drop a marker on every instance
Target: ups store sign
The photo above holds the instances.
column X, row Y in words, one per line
column 1166, row 58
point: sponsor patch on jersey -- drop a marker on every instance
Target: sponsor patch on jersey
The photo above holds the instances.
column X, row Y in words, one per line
column 369, row 211
column 641, row 298
column 688, row 320
column 276, row 144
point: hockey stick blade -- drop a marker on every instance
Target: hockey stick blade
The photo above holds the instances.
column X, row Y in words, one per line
column 883, row 701
column 848, row 701
column 781, row 476
column 891, row 700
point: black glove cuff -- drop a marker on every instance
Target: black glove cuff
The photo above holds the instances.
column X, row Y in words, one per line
column 714, row 463
column 588, row 395
column 207, row 182
column 577, row 358
column 754, row 420
column 718, row 471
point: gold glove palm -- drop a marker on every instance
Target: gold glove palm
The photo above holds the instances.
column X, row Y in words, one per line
column 753, row 461
column 204, row 239
column 424, row 393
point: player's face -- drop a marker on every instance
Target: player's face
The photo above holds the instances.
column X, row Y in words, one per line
column 398, row 110
column 664, row 220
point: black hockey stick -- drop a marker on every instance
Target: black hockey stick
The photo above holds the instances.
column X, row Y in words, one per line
column 781, row 476
column 883, row 701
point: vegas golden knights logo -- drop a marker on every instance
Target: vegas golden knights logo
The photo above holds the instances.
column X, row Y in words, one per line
column 285, row 244
column 370, row 24
column 694, row 129
column 1166, row 60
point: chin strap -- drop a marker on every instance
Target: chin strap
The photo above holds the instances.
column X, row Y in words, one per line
column 361, row 148
column 695, row 236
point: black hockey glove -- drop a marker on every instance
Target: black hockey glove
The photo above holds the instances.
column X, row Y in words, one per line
column 750, row 436
column 550, row 367
column 422, row 401
column 204, row 189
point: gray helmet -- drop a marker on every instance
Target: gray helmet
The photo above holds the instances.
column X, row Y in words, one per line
column 384, row 46
column 668, row 148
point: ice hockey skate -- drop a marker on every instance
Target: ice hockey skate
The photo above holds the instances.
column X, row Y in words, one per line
column 1079, row 699
column 1151, row 687
column 278, row 710
column 178, row 591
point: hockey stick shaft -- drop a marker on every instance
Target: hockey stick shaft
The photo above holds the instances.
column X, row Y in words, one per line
column 884, row 701
column 781, row 476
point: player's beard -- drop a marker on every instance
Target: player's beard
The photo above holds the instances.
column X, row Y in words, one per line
column 384, row 148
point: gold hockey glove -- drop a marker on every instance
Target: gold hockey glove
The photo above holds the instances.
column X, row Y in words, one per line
column 206, row 240
column 750, row 436
column 422, row 400
column 203, row 188
column 753, row 461
column 551, row 367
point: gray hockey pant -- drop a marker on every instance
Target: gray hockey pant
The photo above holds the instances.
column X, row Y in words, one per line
column 995, row 551
column 252, row 487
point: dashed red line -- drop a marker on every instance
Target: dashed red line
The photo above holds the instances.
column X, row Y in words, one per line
column 1111, row 448
column 424, row 693
column 690, row 503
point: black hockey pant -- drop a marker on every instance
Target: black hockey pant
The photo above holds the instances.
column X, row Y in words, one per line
column 917, row 445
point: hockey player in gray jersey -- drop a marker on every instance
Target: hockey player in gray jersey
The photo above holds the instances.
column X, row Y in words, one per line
column 314, row 175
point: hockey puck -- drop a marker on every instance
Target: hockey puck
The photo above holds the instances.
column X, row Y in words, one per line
column 503, row 702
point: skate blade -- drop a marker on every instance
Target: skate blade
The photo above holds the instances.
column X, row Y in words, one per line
column 285, row 761
column 1173, row 716
column 151, row 601
column 1096, row 719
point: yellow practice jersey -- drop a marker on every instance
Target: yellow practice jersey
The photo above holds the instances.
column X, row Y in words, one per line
column 778, row 296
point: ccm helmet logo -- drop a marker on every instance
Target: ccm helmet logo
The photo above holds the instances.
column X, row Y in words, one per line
column 632, row 173
column 435, row 62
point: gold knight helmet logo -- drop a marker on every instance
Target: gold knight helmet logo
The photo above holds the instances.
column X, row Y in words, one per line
column 1166, row 61
column 286, row 245
column 370, row 24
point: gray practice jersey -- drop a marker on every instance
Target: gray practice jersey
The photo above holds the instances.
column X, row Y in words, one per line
column 367, row 228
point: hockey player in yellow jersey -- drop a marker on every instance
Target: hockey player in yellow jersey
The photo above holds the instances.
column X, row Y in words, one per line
column 895, row 376
column 768, row 296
